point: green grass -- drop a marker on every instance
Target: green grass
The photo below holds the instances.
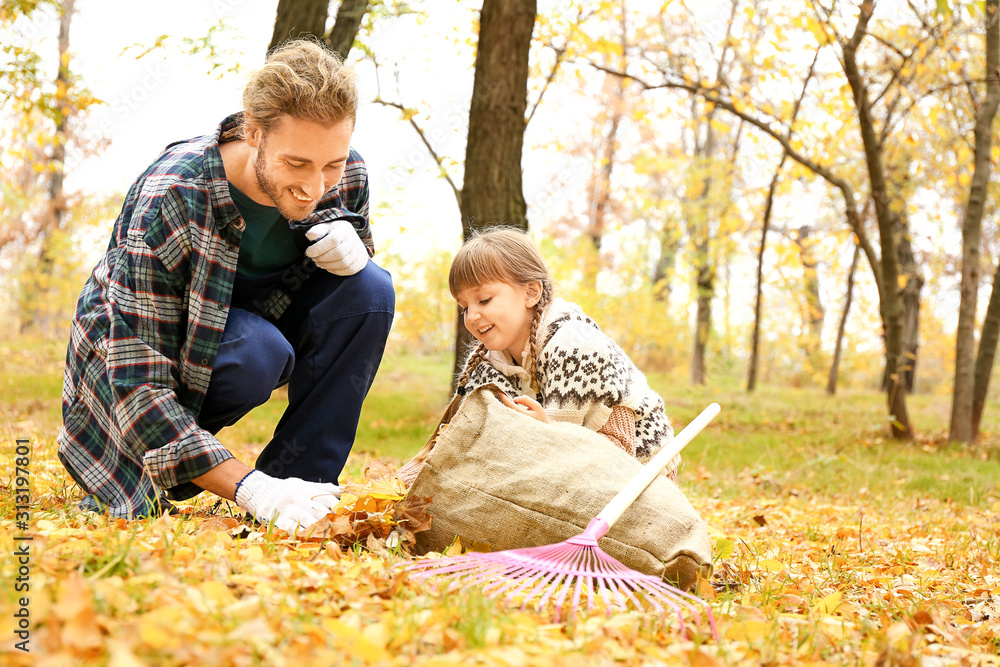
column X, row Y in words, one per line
column 801, row 439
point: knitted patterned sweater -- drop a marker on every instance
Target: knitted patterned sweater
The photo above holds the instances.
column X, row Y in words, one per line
column 584, row 375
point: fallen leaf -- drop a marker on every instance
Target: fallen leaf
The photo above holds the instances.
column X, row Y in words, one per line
column 376, row 470
column 217, row 523
column 829, row 604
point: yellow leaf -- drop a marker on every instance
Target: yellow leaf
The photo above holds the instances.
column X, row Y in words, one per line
column 897, row 634
column 829, row 604
column 353, row 643
column 377, row 634
column 183, row 554
column 748, row 631
column 724, row 549
column 902, row 279
column 387, row 495
column 45, row 526
column 817, row 30
column 771, row 565
column 253, row 553
column 122, row 656
column 347, row 501
column 158, row 628
column 835, row 629
column 719, row 126
column 454, row 549
column 217, row 593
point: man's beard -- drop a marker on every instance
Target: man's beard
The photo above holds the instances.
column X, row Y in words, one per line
column 269, row 188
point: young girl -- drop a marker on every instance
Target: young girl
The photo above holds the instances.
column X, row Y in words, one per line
column 545, row 352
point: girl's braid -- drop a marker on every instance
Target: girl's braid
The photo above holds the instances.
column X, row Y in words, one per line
column 470, row 365
column 534, row 371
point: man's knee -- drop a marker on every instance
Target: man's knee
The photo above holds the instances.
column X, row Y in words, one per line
column 253, row 359
column 367, row 292
column 376, row 283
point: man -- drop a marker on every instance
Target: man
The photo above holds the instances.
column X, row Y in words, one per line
column 239, row 263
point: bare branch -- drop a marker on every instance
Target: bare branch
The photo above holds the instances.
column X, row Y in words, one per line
column 861, row 29
column 409, row 114
column 825, row 173
column 560, row 54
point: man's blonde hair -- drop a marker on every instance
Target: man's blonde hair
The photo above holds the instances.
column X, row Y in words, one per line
column 304, row 80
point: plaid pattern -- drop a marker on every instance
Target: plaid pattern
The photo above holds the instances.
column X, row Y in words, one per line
column 149, row 321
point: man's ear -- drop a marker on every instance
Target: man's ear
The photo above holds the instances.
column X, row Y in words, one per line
column 252, row 133
column 533, row 293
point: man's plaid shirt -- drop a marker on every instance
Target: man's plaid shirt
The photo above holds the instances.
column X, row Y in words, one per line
column 149, row 321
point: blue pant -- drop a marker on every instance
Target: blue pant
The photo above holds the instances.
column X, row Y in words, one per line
column 326, row 348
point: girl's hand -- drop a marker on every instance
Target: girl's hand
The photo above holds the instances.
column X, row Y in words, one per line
column 525, row 405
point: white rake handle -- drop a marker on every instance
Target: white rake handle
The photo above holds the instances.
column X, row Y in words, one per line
column 621, row 502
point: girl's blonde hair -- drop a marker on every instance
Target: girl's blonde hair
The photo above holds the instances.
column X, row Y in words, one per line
column 502, row 255
column 302, row 79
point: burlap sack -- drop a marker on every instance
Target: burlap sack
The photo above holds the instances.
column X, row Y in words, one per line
column 501, row 478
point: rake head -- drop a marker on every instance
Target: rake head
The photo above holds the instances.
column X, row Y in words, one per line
column 564, row 574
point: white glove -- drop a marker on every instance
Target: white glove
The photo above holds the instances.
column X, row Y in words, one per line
column 337, row 248
column 286, row 503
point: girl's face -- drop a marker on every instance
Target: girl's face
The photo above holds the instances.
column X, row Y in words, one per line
column 499, row 314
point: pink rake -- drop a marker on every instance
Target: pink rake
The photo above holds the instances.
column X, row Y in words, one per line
column 578, row 565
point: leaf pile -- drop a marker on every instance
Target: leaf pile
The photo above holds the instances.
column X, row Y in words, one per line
column 375, row 513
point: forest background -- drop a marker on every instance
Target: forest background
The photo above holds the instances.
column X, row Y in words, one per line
column 705, row 170
column 786, row 206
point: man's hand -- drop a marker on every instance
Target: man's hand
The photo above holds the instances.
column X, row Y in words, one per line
column 525, row 405
column 286, row 503
column 337, row 248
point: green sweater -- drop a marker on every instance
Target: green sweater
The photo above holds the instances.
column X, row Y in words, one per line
column 268, row 244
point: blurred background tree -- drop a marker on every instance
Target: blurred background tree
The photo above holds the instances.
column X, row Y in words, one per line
column 42, row 108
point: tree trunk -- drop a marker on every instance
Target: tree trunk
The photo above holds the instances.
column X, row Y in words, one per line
column 987, row 354
column 702, row 259
column 831, row 384
column 670, row 241
column 890, row 300
column 758, row 299
column 345, row 28
column 705, row 286
column 815, row 311
column 912, row 283
column 300, row 18
column 701, row 231
column 492, row 188
column 966, row 406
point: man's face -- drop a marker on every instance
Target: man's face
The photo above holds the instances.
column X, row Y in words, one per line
column 298, row 161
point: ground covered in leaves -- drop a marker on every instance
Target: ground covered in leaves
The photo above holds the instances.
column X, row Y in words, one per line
column 893, row 568
column 800, row 579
